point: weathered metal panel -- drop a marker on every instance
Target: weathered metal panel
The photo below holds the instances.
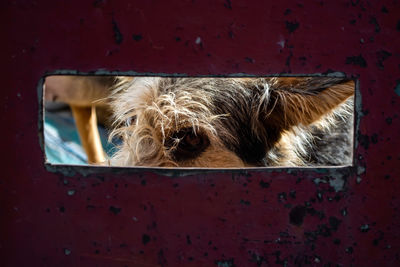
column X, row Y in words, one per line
column 81, row 217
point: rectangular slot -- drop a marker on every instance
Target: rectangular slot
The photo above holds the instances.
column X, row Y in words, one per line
column 198, row 122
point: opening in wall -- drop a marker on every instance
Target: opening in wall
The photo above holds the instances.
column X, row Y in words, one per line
column 212, row 122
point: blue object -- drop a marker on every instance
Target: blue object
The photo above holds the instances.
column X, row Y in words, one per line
column 61, row 139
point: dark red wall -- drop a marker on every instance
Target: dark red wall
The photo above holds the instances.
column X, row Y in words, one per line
column 325, row 217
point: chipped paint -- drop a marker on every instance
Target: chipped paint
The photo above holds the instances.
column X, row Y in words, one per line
column 337, row 183
column 317, row 181
column 397, row 88
column 198, row 40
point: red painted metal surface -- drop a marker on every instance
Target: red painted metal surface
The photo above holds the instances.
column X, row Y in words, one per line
column 339, row 217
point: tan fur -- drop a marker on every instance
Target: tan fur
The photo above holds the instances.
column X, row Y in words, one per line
column 162, row 107
column 86, row 123
column 307, row 109
column 157, row 118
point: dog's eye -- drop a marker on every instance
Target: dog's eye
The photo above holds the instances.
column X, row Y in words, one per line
column 130, row 121
column 188, row 144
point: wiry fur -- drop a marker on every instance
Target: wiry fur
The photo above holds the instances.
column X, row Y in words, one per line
column 231, row 122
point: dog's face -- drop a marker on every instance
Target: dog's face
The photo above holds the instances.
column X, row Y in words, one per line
column 217, row 122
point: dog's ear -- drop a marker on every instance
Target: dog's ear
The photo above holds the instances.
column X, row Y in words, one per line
column 301, row 101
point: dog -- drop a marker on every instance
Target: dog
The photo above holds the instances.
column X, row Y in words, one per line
column 213, row 122
column 87, row 98
column 232, row 122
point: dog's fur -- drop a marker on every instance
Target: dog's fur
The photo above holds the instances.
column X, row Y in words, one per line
column 233, row 122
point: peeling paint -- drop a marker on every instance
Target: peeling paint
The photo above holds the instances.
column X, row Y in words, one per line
column 281, row 43
column 357, row 60
column 397, row 88
column 364, row 228
column 360, row 169
column 137, row 37
column 337, row 183
column 198, row 40
column 145, row 239
column 292, row 26
column 374, row 22
column 297, row 214
column 118, row 37
column 317, row 181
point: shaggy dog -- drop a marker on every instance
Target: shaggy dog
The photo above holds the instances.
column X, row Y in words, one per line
column 233, row 122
